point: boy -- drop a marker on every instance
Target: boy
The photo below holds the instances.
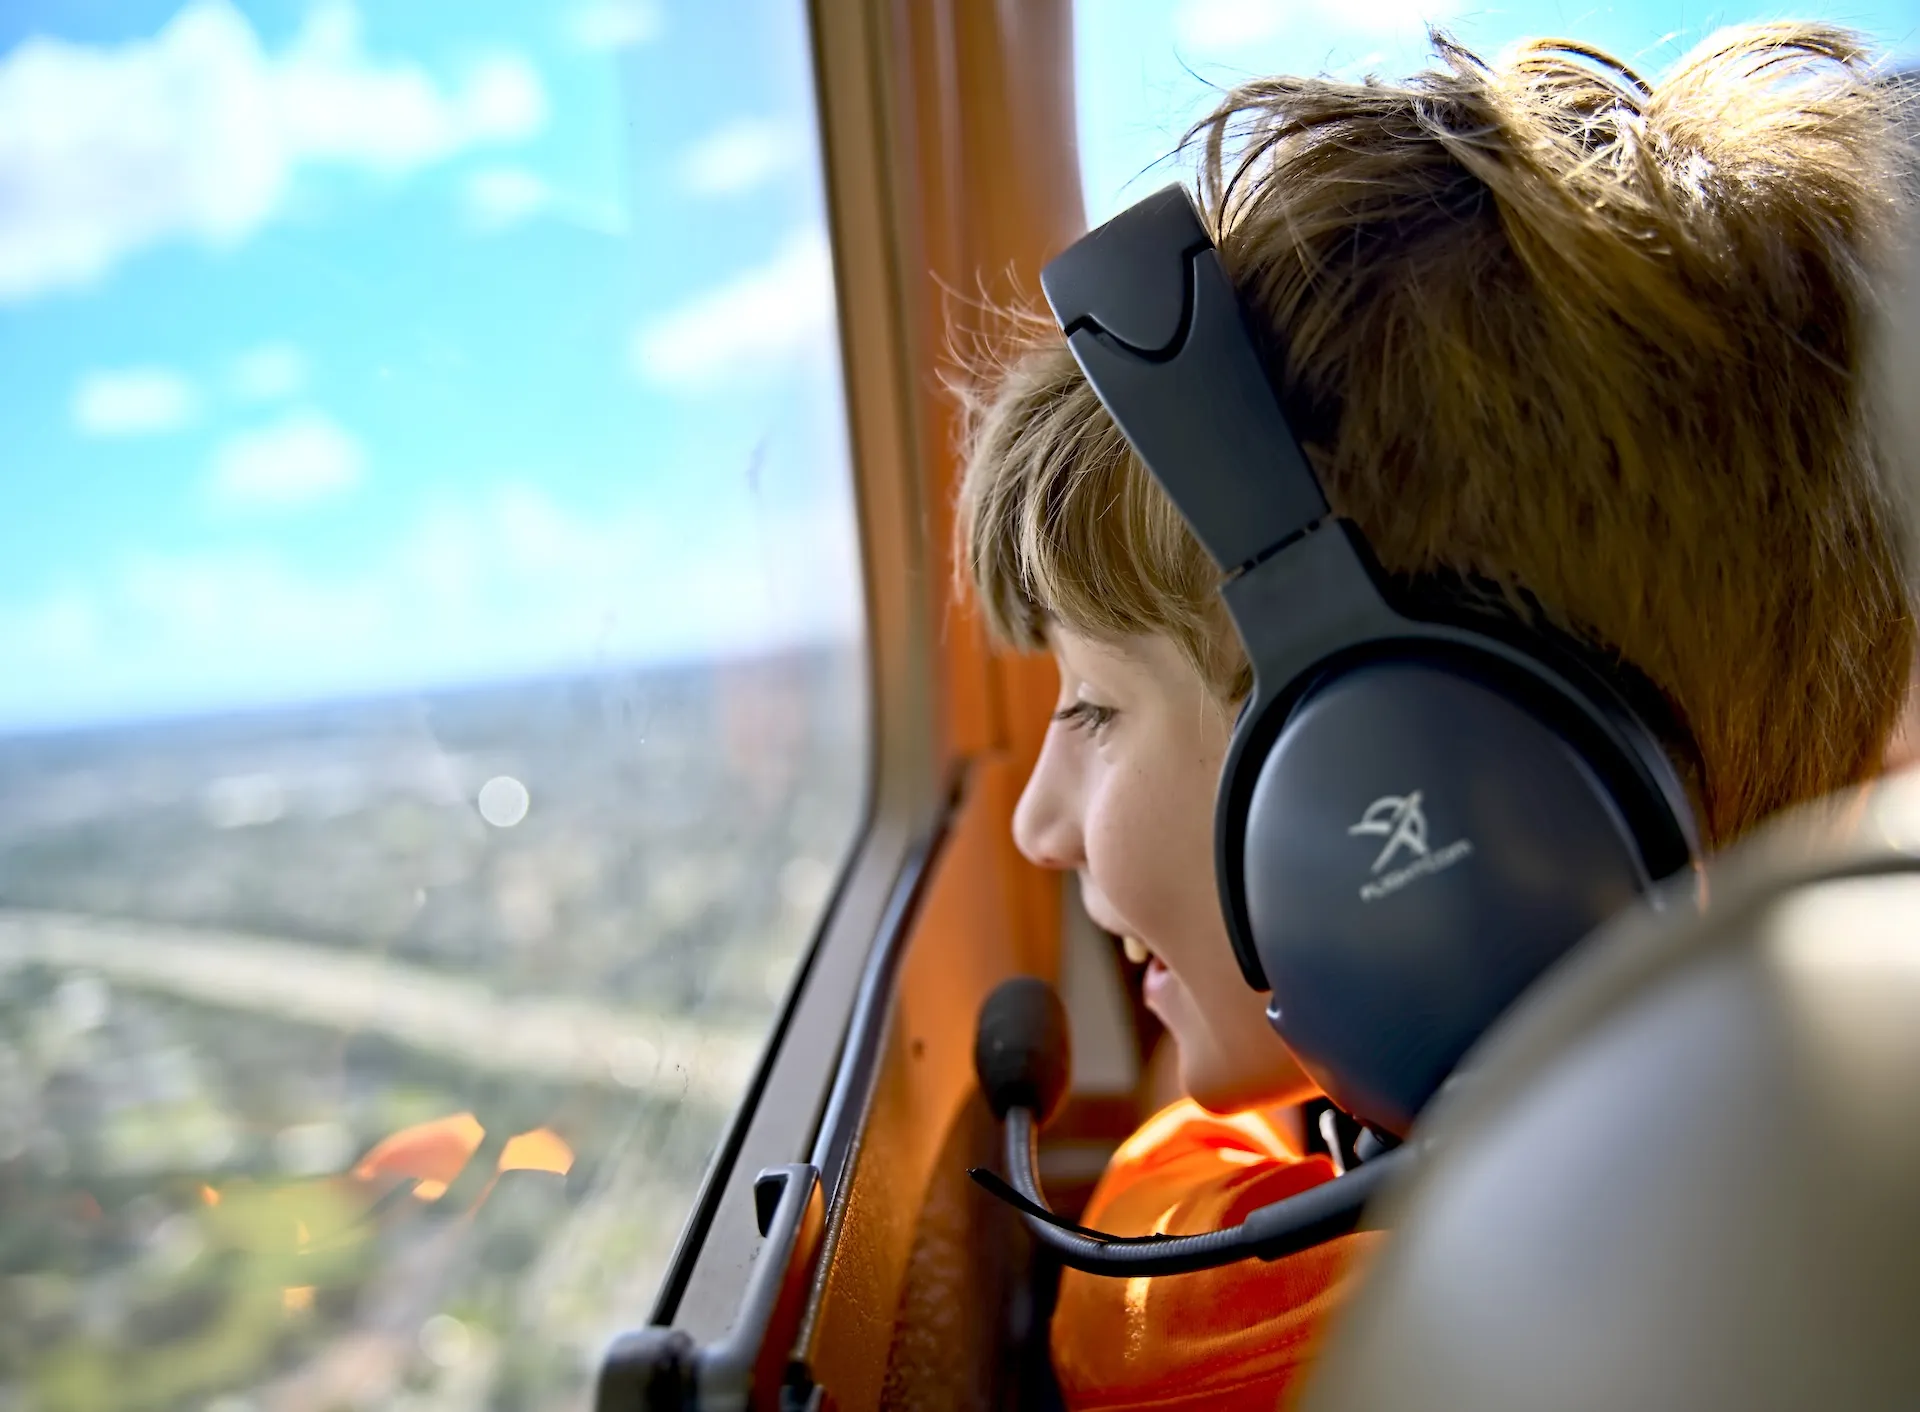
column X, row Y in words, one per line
column 1595, row 342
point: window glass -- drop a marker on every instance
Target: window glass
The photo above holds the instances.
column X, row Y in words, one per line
column 1146, row 70
column 432, row 702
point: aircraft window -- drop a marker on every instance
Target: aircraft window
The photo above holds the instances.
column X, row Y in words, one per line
column 1145, row 70
column 432, row 686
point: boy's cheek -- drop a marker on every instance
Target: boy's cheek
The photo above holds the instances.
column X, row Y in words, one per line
column 1143, row 848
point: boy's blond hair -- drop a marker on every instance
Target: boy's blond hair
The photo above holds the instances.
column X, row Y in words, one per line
column 1542, row 324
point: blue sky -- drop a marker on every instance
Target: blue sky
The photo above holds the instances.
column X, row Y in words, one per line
column 1147, row 69
column 353, row 348
column 362, row 348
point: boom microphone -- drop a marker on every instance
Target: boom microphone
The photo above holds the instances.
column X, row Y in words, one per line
column 1021, row 1057
column 1021, row 1052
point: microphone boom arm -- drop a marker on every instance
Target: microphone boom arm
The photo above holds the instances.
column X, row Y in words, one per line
column 1022, row 1157
column 1284, row 1228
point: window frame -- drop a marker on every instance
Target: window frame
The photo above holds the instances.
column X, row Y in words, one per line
column 946, row 137
column 907, row 797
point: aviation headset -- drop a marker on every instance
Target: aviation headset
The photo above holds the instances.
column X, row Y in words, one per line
column 1424, row 805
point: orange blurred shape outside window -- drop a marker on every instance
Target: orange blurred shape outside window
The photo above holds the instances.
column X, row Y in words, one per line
column 436, row 1151
column 433, row 1154
column 541, row 1150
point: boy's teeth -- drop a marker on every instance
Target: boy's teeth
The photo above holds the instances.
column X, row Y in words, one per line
column 1136, row 950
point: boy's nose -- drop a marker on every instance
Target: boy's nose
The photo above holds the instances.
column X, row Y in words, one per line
column 1045, row 826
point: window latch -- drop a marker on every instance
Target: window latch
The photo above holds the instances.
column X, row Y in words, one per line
column 657, row 1368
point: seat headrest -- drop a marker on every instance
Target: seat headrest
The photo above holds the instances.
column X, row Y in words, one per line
column 1687, row 1173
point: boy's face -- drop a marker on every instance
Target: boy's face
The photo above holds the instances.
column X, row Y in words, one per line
column 1123, row 795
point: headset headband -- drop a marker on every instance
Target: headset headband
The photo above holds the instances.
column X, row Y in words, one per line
column 1155, row 323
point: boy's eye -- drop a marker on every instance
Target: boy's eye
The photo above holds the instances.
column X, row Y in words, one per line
column 1084, row 715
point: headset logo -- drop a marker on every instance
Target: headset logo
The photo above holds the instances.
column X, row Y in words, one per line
column 1399, row 819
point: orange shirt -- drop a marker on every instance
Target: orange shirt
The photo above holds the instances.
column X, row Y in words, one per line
column 1216, row 1339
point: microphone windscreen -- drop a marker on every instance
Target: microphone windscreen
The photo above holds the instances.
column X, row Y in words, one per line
column 1021, row 1052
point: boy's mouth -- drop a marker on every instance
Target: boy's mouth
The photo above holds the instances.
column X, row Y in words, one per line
column 1137, row 951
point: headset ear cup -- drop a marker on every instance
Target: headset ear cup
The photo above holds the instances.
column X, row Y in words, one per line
column 1253, row 732
column 1420, row 844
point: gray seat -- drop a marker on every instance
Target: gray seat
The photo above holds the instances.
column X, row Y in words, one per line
column 1686, row 1172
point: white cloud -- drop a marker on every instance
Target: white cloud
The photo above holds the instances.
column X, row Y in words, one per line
column 613, row 24
column 334, row 105
column 1220, row 26
column 134, row 402
column 766, row 316
column 303, row 457
column 198, row 133
column 497, row 197
column 269, row 372
column 503, row 100
column 509, row 583
column 739, row 157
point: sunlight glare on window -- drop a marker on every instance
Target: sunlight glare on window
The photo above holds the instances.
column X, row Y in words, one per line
column 504, row 801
